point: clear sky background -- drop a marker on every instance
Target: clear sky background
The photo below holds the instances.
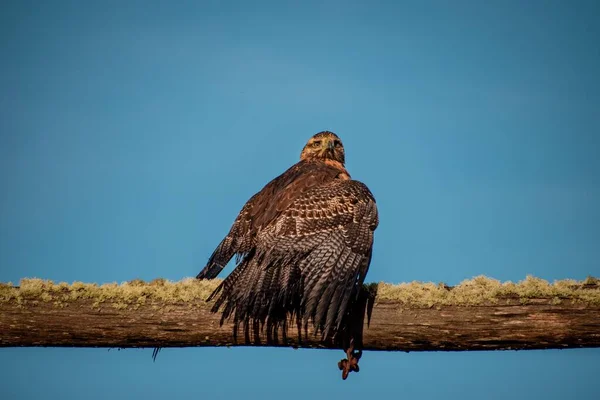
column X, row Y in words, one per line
column 132, row 132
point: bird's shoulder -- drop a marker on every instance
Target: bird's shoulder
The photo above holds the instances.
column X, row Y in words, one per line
column 335, row 201
column 277, row 195
column 351, row 189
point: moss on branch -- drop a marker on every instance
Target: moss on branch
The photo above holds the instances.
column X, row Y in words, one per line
column 482, row 290
column 477, row 291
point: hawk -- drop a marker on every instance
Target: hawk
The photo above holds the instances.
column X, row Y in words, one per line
column 303, row 246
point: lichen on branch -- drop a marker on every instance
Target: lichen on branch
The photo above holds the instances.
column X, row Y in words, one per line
column 477, row 291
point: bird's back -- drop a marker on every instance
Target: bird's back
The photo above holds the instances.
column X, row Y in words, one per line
column 266, row 206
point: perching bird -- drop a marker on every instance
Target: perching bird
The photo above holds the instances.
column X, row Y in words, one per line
column 303, row 246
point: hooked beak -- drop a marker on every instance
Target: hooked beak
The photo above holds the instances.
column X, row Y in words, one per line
column 328, row 148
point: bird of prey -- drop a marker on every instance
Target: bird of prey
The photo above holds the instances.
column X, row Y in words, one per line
column 303, row 245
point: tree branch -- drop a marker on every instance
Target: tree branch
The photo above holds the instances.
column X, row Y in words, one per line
column 479, row 314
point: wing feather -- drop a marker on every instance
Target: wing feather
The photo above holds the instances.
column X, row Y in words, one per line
column 309, row 261
column 263, row 209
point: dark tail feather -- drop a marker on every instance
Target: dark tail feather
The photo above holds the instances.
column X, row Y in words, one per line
column 210, row 271
column 218, row 259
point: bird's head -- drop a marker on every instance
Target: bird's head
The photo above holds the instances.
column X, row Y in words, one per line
column 324, row 146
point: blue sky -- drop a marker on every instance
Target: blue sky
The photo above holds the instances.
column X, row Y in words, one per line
column 131, row 133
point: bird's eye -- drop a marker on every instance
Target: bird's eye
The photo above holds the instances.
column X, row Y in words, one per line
column 337, row 143
column 316, row 143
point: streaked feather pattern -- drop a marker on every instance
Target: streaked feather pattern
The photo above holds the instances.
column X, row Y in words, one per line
column 304, row 244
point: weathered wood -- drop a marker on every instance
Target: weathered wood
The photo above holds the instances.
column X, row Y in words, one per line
column 537, row 325
column 505, row 322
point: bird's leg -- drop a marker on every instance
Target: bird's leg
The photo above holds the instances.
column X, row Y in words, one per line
column 350, row 364
column 351, row 336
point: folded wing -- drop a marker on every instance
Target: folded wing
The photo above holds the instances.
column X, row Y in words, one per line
column 308, row 263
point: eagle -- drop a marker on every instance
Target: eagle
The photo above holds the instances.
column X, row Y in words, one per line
column 303, row 246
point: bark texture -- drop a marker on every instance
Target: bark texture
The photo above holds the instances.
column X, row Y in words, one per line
column 507, row 322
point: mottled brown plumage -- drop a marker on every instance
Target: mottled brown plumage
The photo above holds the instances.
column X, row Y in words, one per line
column 303, row 245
